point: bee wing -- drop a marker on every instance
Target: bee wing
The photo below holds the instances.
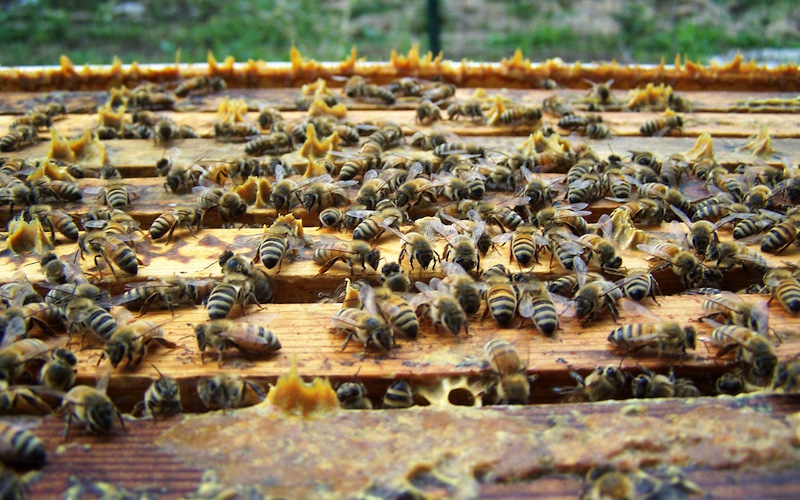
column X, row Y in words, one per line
column 581, row 270
column 414, row 171
column 652, row 250
column 682, row 216
column 247, row 241
column 525, row 305
column 453, row 269
column 731, row 217
column 395, row 232
column 123, row 316
column 526, row 173
column 95, row 224
column 367, row 296
column 422, row 287
column 435, row 225
column 93, row 190
column 761, row 316
column 280, row 173
column 606, row 225
column 502, row 238
column 635, row 309
column 370, row 174
column 362, row 214
column 14, row 330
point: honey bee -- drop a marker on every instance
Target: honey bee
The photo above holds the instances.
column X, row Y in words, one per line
column 737, row 311
column 268, row 117
column 275, row 142
column 521, row 115
column 20, row 447
column 662, row 126
column 234, row 131
column 427, row 140
column 180, row 176
column 284, row 234
column 439, row 92
column 787, row 376
column 357, row 88
column 592, row 297
column 569, row 216
column 513, row 383
column 285, row 192
column 460, row 285
column 52, row 220
column 418, row 247
column 751, row 348
column 82, row 313
column 471, row 109
column 332, row 217
column 638, row 284
column 536, row 303
column 355, row 252
column 461, row 248
column 18, row 138
column 730, row 253
column 16, row 353
column 603, row 383
column 224, row 391
column 556, row 106
column 414, row 191
column 162, row 397
column 200, row 85
column 394, row 277
column 322, row 192
column 166, row 223
column 784, row 286
column 449, row 148
column 228, row 203
column 234, row 289
column 108, row 248
column 653, row 385
column 601, row 249
column 398, row 395
column 427, row 113
column 525, row 244
column 683, row 263
column 168, row 292
column 578, row 122
column 539, row 192
column 43, row 189
column 665, row 336
column 221, row 334
column 781, row 236
column 59, row 372
column 442, row 307
column 353, row 396
column 598, row 131
column 563, row 248
column 91, row 406
column 34, row 119
column 396, row 311
column 502, row 298
column 600, row 92
column 368, row 327
column 131, row 339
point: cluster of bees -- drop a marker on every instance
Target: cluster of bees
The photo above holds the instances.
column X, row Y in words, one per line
column 438, row 191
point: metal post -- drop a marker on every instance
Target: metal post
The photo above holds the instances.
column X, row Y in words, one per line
column 433, row 26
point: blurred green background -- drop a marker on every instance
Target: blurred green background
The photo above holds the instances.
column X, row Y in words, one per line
column 39, row 31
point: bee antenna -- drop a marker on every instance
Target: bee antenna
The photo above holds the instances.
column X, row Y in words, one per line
column 157, row 370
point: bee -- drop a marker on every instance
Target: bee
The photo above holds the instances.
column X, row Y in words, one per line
column 414, row 191
column 665, row 336
column 353, row 167
column 35, row 119
column 55, row 190
column 398, row 395
column 166, row 223
column 780, row 237
column 284, row 234
column 84, row 314
column 352, row 395
column 20, row 447
column 471, row 109
column 513, row 384
column 439, row 92
column 603, row 383
column 461, row 285
column 602, row 250
column 758, row 197
column 373, row 189
column 501, row 298
column 787, row 376
column 521, row 115
column 275, row 142
column 683, row 263
column 556, row 106
column 396, row 311
column 91, row 406
column 222, row 334
column 591, row 298
column 108, row 248
column 332, row 217
column 653, row 385
column 784, row 286
column 418, row 247
column 18, row 138
column 357, row 88
column 586, row 189
column 598, row 131
column 752, row 348
column 168, row 292
column 569, row 216
column 163, row 397
column 15, row 354
column 223, row 392
column 601, row 92
column 730, row 253
column 59, row 371
column 448, row 148
column 737, row 311
column 268, row 117
column 231, row 131
column 166, row 130
column 638, row 284
column 355, row 252
column 563, row 247
column 181, row 176
column 322, row 192
column 578, row 122
column 115, row 194
column 662, row 126
column 200, row 85
column 366, row 326
column 234, row 289
column 427, row 140
column 57, row 271
column 394, row 277
column 130, row 340
column 535, row 302
column 285, row 192
column 442, row 307
column 427, row 113
column 228, row 203
column 525, row 244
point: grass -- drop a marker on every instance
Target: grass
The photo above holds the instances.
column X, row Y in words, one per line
column 39, row 31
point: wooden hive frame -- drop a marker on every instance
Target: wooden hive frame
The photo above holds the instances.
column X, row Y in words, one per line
column 302, row 325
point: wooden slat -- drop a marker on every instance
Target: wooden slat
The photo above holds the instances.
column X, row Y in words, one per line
column 151, row 457
column 620, row 123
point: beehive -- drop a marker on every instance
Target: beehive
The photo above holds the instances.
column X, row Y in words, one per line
column 449, row 450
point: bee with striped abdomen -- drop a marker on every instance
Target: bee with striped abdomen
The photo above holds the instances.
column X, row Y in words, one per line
column 441, row 306
column 355, row 252
column 368, row 327
column 202, row 84
column 512, row 384
column 163, row 397
column 92, row 407
column 108, row 249
column 665, row 336
column 604, row 382
column 59, row 371
column 224, row 391
column 398, row 395
column 222, row 334
column 784, row 286
column 20, row 447
column 662, row 126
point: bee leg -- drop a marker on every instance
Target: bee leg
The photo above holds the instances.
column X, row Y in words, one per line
column 347, row 340
column 122, row 420
column 327, row 266
column 66, row 427
column 219, row 358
